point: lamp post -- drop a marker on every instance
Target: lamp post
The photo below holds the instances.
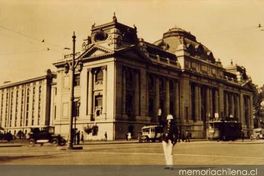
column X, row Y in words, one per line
column 72, row 66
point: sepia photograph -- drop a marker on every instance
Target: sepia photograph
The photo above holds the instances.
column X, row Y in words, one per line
column 131, row 87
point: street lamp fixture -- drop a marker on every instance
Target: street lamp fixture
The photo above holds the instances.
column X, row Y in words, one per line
column 70, row 67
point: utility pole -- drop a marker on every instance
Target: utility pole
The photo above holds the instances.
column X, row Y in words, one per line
column 71, row 66
column 72, row 92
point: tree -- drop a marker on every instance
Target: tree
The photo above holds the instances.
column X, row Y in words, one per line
column 258, row 102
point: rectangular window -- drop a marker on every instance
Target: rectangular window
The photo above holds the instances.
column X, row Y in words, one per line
column 6, row 107
column 99, row 76
column 22, row 106
column 98, row 105
column 27, row 106
column 11, row 108
column 16, row 107
column 55, row 111
column 33, row 106
column 39, row 104
column 2, row 102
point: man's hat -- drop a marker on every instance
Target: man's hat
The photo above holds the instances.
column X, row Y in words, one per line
column 169, row 117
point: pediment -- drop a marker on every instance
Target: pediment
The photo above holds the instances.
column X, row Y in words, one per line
column 248, row 85
column 131, row 53
column 95, row 51
column 135, row 54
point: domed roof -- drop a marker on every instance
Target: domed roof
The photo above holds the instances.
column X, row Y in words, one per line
column 177, row 39
column 176, row 31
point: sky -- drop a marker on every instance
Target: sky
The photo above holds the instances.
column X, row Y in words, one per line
column 34, row 33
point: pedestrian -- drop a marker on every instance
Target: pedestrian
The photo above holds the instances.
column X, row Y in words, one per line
column 188, row 136
column 78, row 137
column 183, row 137
column 169, row 139
column 179, row 135
column 105, row 136
column 242, row 135
column 82, row 137
column 128, row 136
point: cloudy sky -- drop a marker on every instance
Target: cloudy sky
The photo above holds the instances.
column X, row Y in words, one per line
column 33, row 33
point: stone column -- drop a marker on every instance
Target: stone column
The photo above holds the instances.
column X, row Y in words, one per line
column 227, row 104
column 137, row 93
column 242, row 110
column 157, row 98
column 90, row 93
column 221, row 102
column 176, row 99
column 143, row 92
column 208, row 104
column 104, row 91
column 184, row 98
column 167, row 98
column 216, row 98
column 197, row 102
column 238, row 107
column 124, row 91
column 83, row 94
column 232, row 105
column 211, row 102
column 251, row 126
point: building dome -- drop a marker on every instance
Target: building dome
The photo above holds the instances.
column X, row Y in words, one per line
column 177, row 32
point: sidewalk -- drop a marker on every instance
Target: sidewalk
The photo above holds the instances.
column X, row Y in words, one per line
column 135, row 141
column 91, row 142
column 239, row 141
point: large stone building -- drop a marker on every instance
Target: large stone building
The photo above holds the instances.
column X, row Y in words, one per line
column 126, row 83
column 26, row 104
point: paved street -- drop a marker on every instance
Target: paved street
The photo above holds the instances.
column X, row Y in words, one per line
column 132, row 153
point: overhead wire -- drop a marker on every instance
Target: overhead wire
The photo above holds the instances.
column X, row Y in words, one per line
column 40, row 41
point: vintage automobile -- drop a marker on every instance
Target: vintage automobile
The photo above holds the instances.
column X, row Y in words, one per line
column 150, row 133
column 45, row 135
column 5, row 136
column 257, row 133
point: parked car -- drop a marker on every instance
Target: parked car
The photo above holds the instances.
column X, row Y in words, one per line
column 5, row 136
column 45, row 135
column 257, row 133
column 150, row 133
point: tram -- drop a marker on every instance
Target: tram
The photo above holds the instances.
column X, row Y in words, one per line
column 224, row 130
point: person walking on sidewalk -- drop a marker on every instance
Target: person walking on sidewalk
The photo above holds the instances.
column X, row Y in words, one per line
column 82, row 138
column 169, row 139
column 105, row 136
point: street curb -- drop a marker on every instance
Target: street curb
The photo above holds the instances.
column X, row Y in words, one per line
column 11, row 145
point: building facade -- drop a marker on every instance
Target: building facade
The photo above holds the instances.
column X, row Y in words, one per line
column 26, row 104
column 127, row 83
